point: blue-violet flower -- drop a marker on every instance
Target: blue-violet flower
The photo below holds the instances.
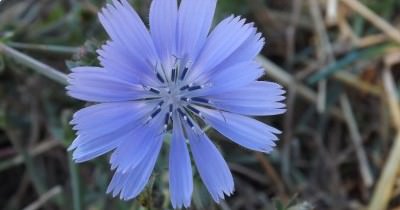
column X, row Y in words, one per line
column 173, row 77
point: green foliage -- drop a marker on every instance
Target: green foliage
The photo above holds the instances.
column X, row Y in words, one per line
column 228, row 7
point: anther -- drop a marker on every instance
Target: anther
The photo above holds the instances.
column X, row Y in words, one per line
column 186, row 119
column 159, row 77
column 153, row 90
column 200, row 100
column 173, row 75
column 184, row 87
column 170, row 110
column 190, row 123
column 155, row 113
column 180, row 112
column 197, row 87
column 185, row 99
column 166, row 120
column 193, row 109
column 160, row 104
column 149, row 99
column 185, row 70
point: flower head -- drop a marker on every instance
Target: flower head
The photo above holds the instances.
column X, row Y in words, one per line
column 171, row 78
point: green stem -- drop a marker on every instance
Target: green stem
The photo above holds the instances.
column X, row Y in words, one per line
column 30, row 62
column 73, row 171
column 63, row 50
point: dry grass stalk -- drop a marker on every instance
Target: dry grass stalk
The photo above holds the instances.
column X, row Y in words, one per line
column 44, row 198
column 375, row 19
column 383, row 190
column 357, row 141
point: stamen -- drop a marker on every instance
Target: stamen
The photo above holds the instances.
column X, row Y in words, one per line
column 151, row 89
column 173, row 75
column 196, row 111
column 149, row 99
column 200, row 100
column 185, row 99
column 155, row 90
column 163, row 71
column 184, row 87
column 159, row 77
column 155, row 113
column 166, row 121
column 185, row 70
column 160, row 104
column 170, row 110
column 193, row 109
column 181, row 113
column 197, row 87
column 188, row 121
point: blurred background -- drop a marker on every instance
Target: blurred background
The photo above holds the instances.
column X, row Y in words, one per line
column 340, row 147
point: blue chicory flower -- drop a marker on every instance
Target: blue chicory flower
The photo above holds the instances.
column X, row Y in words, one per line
column 170, row 79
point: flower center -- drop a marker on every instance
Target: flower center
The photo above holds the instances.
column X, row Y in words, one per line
column 174, row 95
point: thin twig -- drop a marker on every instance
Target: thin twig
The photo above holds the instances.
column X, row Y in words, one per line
column 44, row 198
column 39, row 149
column 271, row 172
column 352, row 81
column 277, row 73
column 375, row 19
column 32, row 170
column 371, row 40
column 357, row 141
column 249, row 173
column 327, row 55
column 291, row 32
column 332, row 12
column 345, row 29
column 32, row 63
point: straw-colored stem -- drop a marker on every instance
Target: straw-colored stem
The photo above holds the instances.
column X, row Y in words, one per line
column 384, row 187
column 375, row 19
column 44, row 198
column 37, row 150
column 277, row 73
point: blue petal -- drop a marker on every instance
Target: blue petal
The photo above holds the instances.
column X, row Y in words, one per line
column 257, row 99
column 211, row 165
column 246, row 52
column 163, row 25
column 106, row 117
column 195, row 18
column 87, row 148
column 231, row 78
column 138, row 143
column 97, row 85
column 103, row 127
column 180, row 170
column 245, row 131
column 126, row 28
column 133, row 181
column 224, row 40
column 126, row 66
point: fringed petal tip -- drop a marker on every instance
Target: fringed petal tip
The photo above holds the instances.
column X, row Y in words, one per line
column 71, row 147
